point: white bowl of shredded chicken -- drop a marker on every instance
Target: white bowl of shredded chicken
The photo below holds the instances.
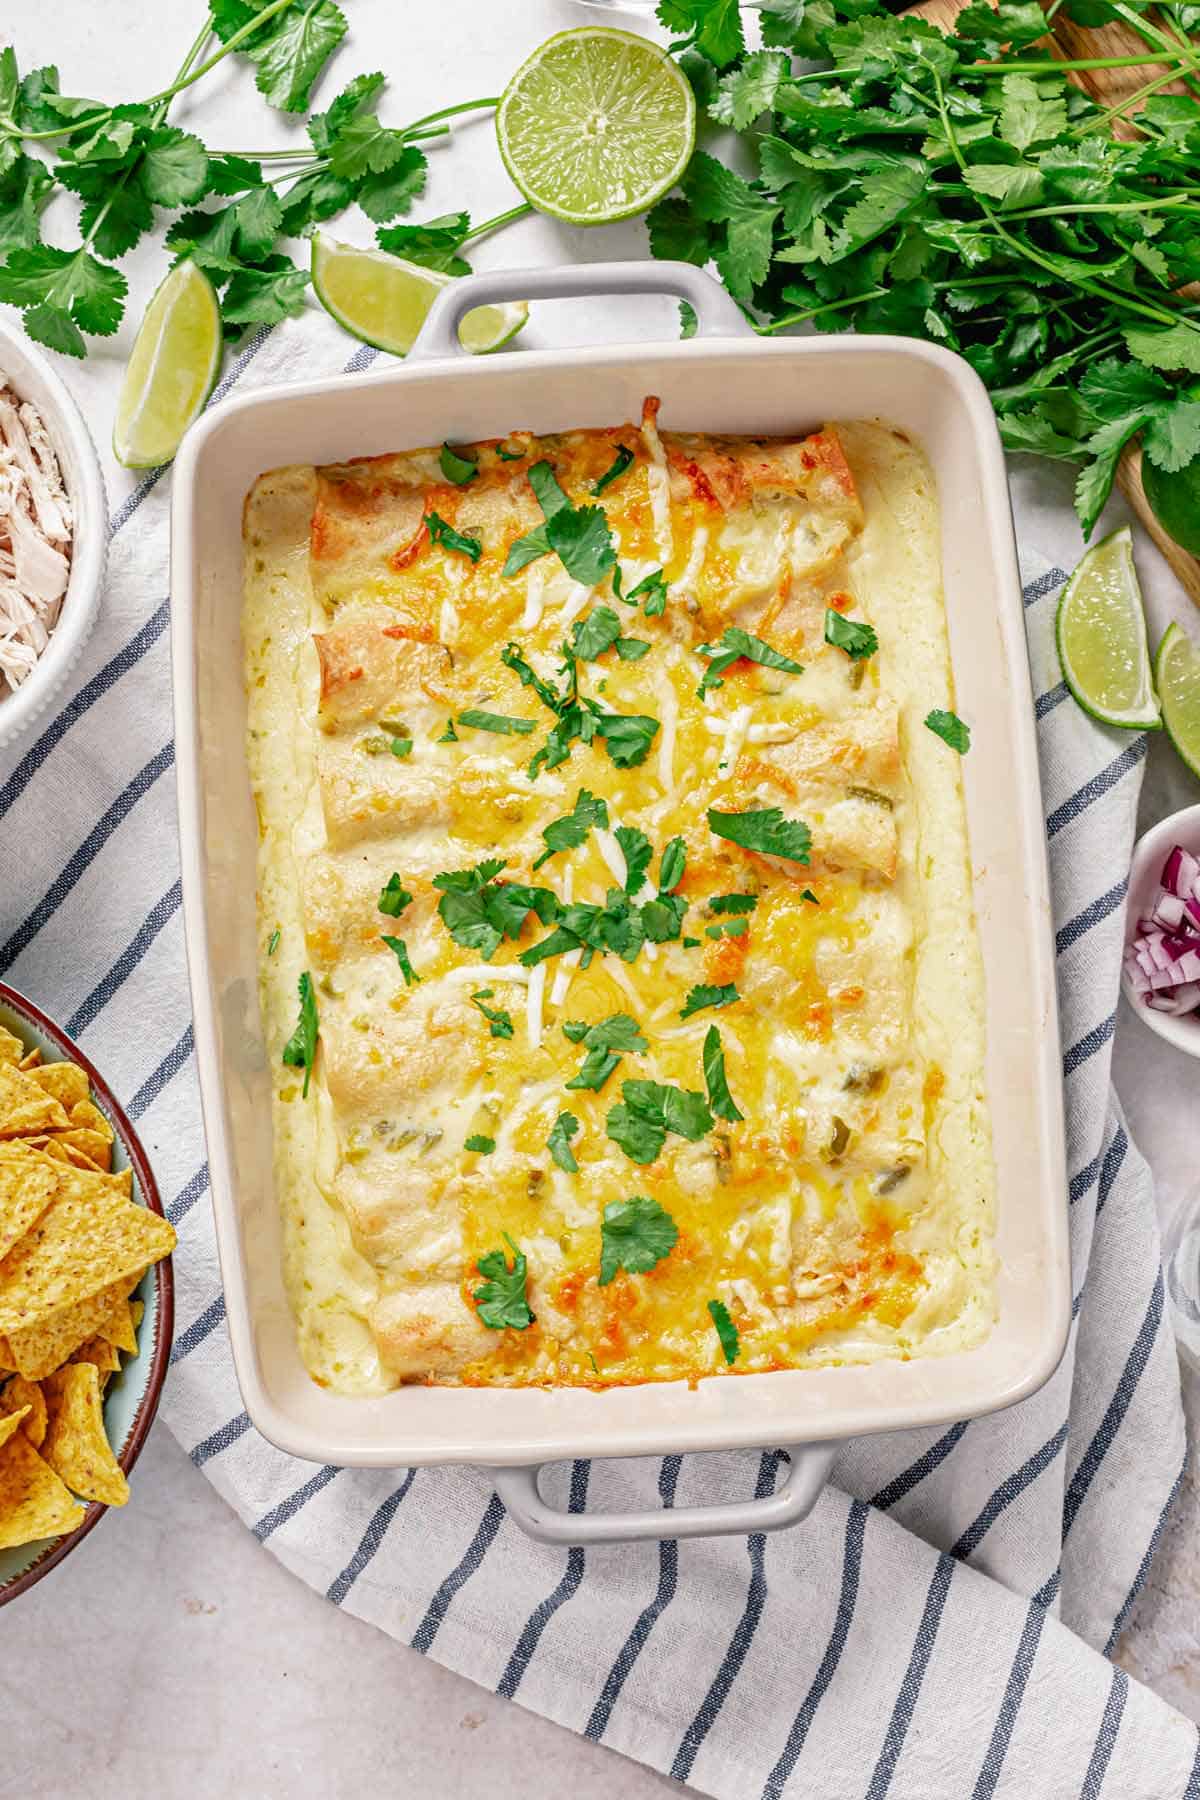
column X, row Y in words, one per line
column 53, row 536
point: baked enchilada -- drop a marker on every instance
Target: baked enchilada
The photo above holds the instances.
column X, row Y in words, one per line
column 618, row 964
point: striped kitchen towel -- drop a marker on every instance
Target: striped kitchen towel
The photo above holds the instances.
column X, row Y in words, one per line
column 939, row 1627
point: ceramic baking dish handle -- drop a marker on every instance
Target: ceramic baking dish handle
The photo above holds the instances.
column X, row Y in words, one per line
column 716, row 314
column 810, row 1464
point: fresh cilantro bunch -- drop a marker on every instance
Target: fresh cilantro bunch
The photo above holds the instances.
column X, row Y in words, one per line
column 961, row 189
column 128, row 168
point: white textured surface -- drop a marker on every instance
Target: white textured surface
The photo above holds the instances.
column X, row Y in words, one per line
column 172, row 1654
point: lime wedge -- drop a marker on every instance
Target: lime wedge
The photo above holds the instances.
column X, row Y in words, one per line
column 384, row 300
column 596, row 125
column 1177, row 678
column 171, row 371
column 1101, row 632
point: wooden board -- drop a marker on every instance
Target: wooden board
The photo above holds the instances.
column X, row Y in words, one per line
column 1110, row 87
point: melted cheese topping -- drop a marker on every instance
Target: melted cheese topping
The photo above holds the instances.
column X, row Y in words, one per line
column 847, row 1217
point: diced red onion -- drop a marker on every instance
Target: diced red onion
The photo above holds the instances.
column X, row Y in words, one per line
column 1162, row 962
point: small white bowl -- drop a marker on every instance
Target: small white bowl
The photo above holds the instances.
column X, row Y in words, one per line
column 1149, row 854
column 29, row 374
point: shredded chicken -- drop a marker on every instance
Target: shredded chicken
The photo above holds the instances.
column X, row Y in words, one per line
column 35, row 539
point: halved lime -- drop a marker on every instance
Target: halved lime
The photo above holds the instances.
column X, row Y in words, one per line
column 1101, row 633
column 171, row 370
column 596, row 125
column 384, row 300
column 1177, row 678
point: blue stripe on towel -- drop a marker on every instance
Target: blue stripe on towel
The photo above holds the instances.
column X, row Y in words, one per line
column 187, row 1196
column 1144, row 1566
column 852, row 1555
column 1045, row 584
column 369, row 1544
column 914, row 1675
column 1010, row 1705
column 908, row 1479
column 1087, row 1046
column 635, row 1643
column 198, row 1330
column 86, row 854
column 222, row 1439
column 1010, row 1489
column 293, row 1503
column 127, row 962
column 1091, row 915
column 1106, row 1737
column 459, row 1576
column 165, row 1073
column 1118, row 1406
column 125, row 659
column 1114, row 1158
column 1100, row 784
column 541, row 1615
column 743, row 1636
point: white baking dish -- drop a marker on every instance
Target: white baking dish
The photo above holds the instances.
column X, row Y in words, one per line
column 723, row 380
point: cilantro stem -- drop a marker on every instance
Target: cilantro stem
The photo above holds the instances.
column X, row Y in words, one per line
column 514, row 212
column 1122, row 111
column 448, row 112
column 813, row 312
column 1067, row 66
column 1102, row 206
column 232, row 43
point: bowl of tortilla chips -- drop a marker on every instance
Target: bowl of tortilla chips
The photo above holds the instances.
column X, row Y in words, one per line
column 86, row 1296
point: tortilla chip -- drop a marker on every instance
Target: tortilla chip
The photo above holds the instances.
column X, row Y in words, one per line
column 26, row 1190
column 76, row 1446
column 38, row 1349
column 122, row 1183
column 98, row 1350
column 89, row 1238
column 137, row 1312
column 91, row 1144
column 10, row 1424
column 118, row 1328
column 30, row 1060
column 65, row 1081
column 11, row 1048
column 46, row 1146
column 24, row 1106
column 78, row 1159
column 34, row 1501
column 86, row 1115
column 26, row 1398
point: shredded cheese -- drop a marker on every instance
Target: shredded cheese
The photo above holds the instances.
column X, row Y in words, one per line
column 533, row 1005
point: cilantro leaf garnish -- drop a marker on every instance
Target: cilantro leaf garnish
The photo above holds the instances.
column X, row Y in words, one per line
column 502, row 723
column 480, row 1145
column 445, row 535
column 951, row 729
column 735, row 644
column 620, row 462
column 733, row 903
column 595, row 633
column 500, row 1022
column 605, row 1042
column 719, row 1098
column 579, row 536
column 394, row 897
column 400, row 950
column 730, row 928
column 636, row 849
column 648, row 1110
column 662, row 918
column 703, row 995
column 764, row 830
column 851, row 635
column 627, row 736
column 449, row 736
column 300, row 1051
column 651, row 590
column 502, row 1300
column 456, row 467
column 807, row 894
column 570, row 831
column 726, row 1330
column 672, row 865
column 479, row 912
column 434, row 244
column 635, row 1235
column 559, row 1142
